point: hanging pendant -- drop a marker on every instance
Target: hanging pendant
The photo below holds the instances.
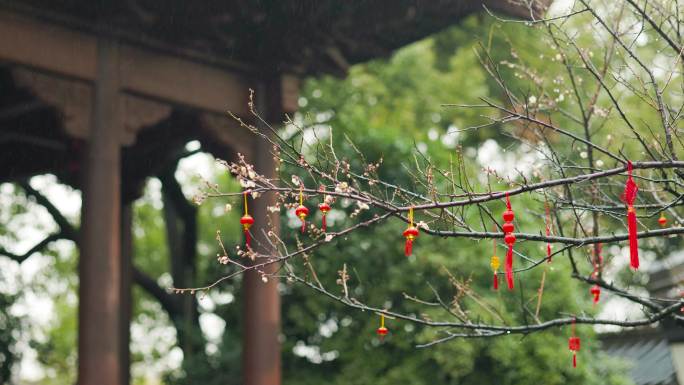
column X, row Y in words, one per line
column 495, row 264
column 510, row 241
column 325, row 208
column 382, row 330
column 547, row 221
column 598, row 263
column 411, row 233
column 574, row 345
column 508, row 228
column 596, row 293
column 662, row 220
column 301, row 211
column 628, row 198
column 246, row 221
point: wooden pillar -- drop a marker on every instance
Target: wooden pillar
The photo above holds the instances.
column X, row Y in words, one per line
column 261, row 347
column 100, row 261
column 126, row 294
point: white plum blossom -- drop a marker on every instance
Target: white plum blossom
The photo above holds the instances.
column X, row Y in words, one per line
column 246, row 183
column 422, row 225
column 342, row 187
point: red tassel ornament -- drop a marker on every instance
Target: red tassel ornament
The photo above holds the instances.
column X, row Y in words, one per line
column 301, row 211
column 246, row 221
column 596, row 293
column 628, row 197
column 411, row 233
column 382, row 330
column 324, row 207
column 574, row 345
column 509, row 238
column 510, row 241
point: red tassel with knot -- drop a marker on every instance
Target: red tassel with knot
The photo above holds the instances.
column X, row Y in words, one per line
column 574, row 345
column 411, row 233
column 596, row 293
column 628, row 198
column 509, row 238
column 324, row 207
column 246, row 221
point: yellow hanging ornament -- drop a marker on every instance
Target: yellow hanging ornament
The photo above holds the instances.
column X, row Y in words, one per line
column 301, row 211
column 495, row 263
column 382, row 330
column 411, row 233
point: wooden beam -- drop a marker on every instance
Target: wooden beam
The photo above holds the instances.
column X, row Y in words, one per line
column 99, row 344
column 178, row 80
column 47, row 46
column 21, row 108
column 69, row 53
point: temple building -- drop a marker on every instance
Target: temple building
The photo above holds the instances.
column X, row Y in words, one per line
column 104, row 94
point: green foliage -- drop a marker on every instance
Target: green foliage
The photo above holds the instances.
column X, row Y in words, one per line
column 57, row 350
column 220, row 364
column 9, row 325
column 23, row 317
